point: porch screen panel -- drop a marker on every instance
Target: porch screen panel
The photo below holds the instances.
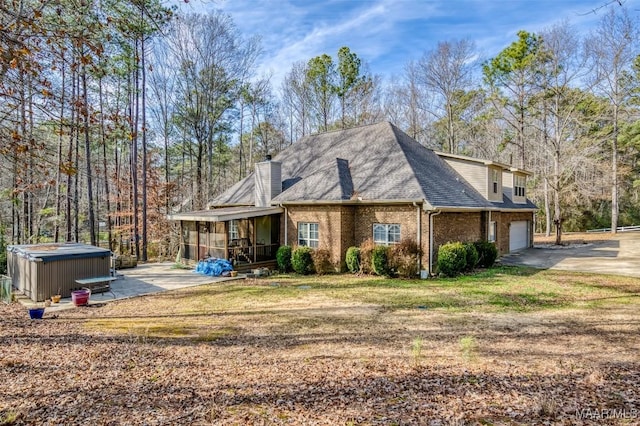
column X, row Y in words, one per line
column 203, row 230
column 217, row 234
column 190, row 239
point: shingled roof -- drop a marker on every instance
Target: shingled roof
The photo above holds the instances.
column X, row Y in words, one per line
column 374, row 163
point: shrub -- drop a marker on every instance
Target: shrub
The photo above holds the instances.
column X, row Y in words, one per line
column 302, row 260
column 352, row 259
column 472, row 256
column 322, row 261
column 403, row 258
column 487, row 253
column 366, row 248
column 380, row 260
column 283, row 257
column 452, row 259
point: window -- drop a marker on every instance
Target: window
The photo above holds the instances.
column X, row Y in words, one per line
column 492, row 232
column 308, row 234
column 518, row 186
column 495, row 179
column 233, row 230
column 386, row 233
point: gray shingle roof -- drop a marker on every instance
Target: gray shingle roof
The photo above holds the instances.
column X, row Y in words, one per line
column 376, row 162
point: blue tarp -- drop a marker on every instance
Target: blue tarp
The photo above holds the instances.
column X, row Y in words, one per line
column 213, row 267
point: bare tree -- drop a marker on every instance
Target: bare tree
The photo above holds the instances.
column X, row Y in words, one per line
column 295, row 93
column 563, row 71
column 613, row 46
column 447, row 72
column 213, row 60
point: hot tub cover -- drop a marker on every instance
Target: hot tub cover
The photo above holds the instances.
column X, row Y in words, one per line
column 50, row 252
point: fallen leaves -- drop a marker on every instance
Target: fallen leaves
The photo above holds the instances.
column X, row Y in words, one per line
column 525, row 369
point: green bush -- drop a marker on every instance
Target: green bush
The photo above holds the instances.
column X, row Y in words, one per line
column 487, row 253
column 322, row 261
column 472, row 256
column 366, row 249
column 352, row 259
column 452, row 259
column 283, row 257
column 380, row 260
column 403, row 258
column 302, row 260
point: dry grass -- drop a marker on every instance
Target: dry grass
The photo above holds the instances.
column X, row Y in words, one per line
column 509, row 346
column 573, row 237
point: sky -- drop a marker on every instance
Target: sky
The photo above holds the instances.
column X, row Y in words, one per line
column 387, row 34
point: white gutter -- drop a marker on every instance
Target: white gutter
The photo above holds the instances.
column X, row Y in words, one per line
column 431, row 215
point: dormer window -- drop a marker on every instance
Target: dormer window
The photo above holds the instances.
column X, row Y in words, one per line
column 495, row 179
column 519, row 183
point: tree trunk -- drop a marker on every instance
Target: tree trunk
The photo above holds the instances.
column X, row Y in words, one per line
column 547, row 208
column 56, row 230
column 144, row 144
column 107, row 193
column 72, row 129
column 556, row 197
column 614, row 172
column 134, row 157
column 87, row 155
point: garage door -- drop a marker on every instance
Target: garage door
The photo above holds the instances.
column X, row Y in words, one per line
column 518, row 235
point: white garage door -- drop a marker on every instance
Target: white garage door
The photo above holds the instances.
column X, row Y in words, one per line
column 518, row 235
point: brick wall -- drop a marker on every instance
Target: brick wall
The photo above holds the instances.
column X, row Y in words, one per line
column 330, row 227
column 341, row 227
column 452, row 227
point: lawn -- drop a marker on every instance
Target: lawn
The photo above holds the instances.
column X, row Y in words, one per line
column 504, row 346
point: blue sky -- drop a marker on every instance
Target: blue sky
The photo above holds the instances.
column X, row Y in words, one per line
column 386, row 34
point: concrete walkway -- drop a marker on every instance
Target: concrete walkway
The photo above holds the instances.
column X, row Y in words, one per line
column 618, row 256
column 144, row 279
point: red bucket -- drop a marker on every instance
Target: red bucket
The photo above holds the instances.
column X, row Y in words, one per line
column 80, row 297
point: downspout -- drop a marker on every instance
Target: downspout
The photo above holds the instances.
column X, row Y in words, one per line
column 419, row 233
column 431, row 216
column 489, row 227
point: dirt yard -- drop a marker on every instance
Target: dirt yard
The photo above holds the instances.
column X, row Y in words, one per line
column 573, row 237
column 512, row 346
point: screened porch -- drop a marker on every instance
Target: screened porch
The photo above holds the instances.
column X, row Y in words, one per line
column 244, row 236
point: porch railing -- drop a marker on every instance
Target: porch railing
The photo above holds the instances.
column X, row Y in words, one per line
column 247, row 254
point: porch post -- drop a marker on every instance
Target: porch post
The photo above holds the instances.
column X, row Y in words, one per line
column 255, row 237
column 197, row 241
column 225, row 225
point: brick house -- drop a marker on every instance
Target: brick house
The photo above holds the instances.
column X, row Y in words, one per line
column 337, row 189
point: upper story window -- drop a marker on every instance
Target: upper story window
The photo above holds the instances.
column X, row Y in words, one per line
column 519, row 183
column 233, row 230
column 386, row 233
column 308, row 234
column 495, row 178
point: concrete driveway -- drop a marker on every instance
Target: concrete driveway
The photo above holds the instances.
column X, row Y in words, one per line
column 618, row 256
column 144, row 279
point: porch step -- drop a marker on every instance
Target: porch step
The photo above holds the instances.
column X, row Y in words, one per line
column 247, row 267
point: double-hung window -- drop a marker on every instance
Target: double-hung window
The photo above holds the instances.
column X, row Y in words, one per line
column 518, row 186
column 233, row 230
column 495, row 180
column 308, row 234
column 386, row 233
